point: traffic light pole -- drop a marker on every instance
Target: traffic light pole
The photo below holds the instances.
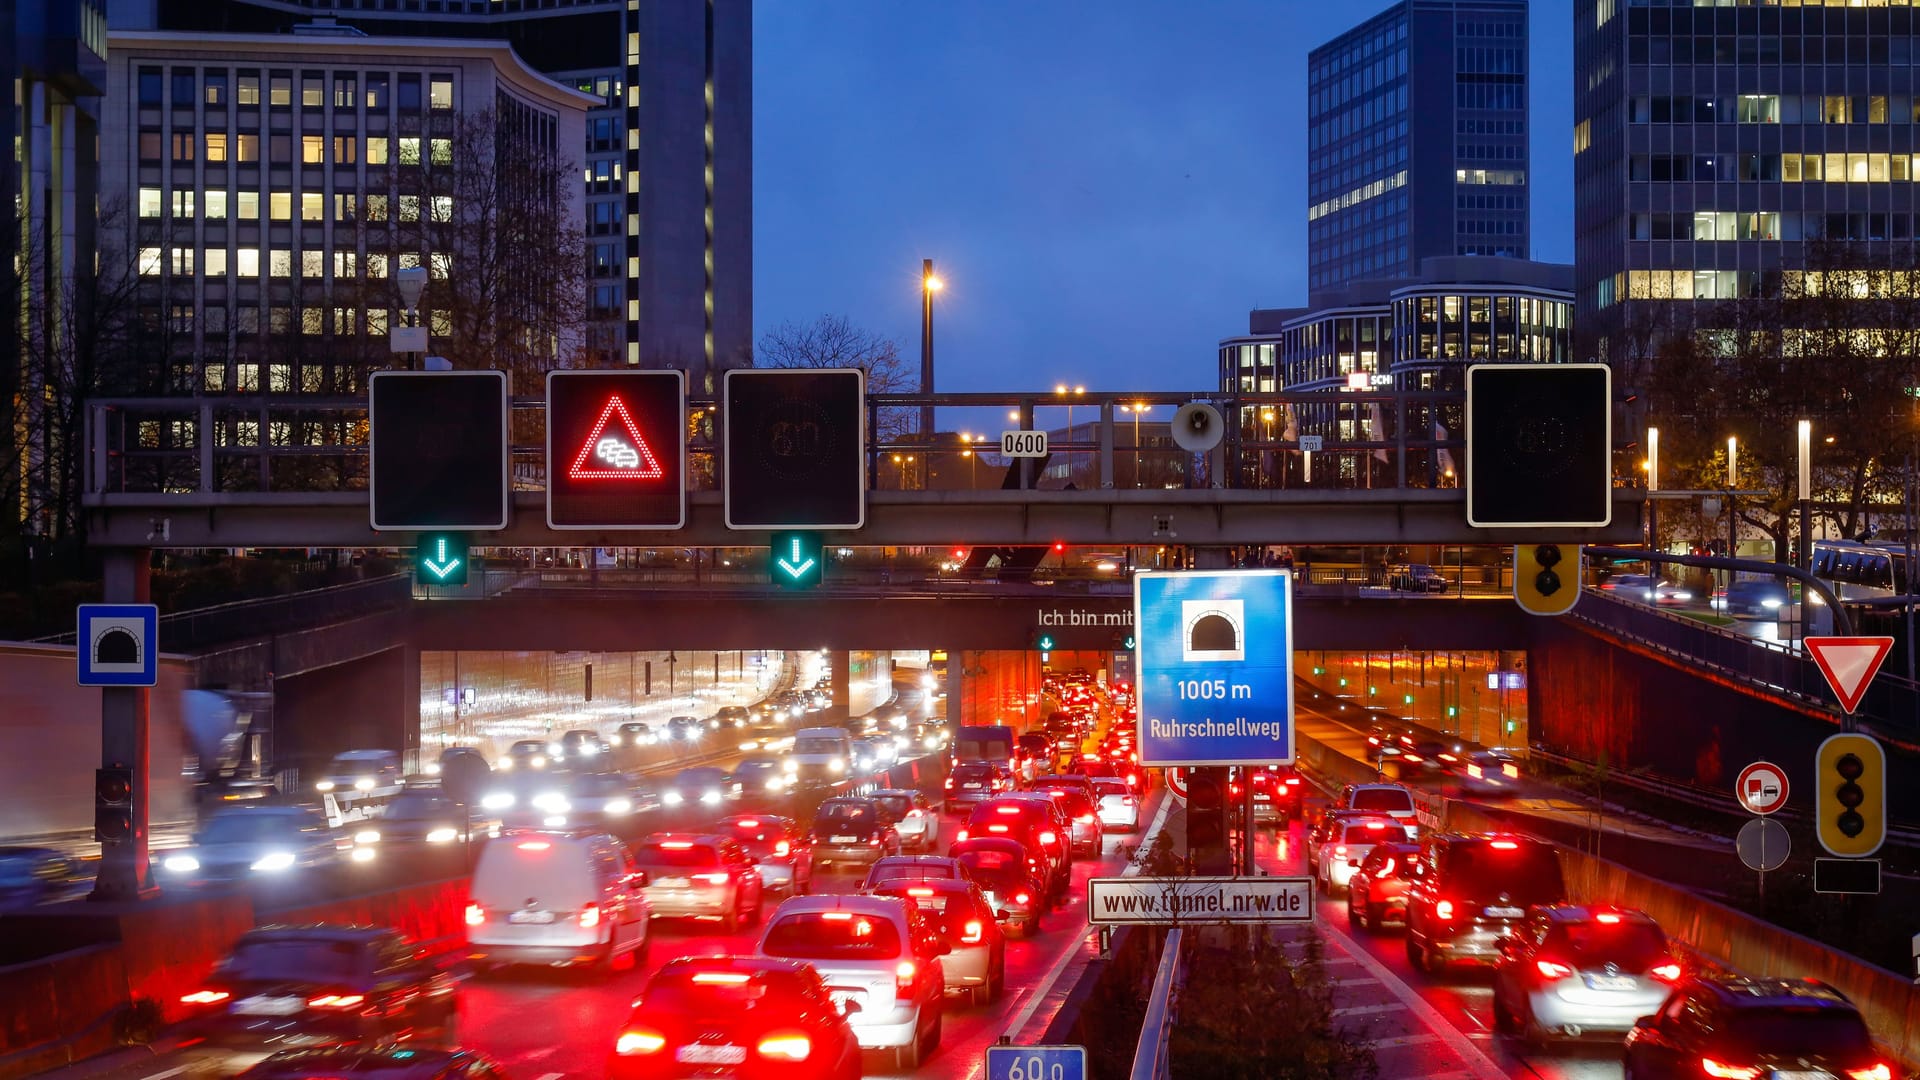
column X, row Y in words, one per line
column 126, row 742
column 1246, row 821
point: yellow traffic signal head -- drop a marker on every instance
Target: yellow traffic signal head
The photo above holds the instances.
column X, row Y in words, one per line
column 1546, row 577
column 1850, row 805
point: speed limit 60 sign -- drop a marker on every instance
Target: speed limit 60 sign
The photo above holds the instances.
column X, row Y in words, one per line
column 1023, row 444
column 1036, row 1063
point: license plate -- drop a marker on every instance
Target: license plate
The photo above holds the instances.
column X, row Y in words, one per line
column 1613, row 982
column 1801, row 1074
column 971, row 787
column 267, row 1006
column 712, row 1055
column 1504, row 912
column 673, row 882
column 843, row 839
column 535, row 917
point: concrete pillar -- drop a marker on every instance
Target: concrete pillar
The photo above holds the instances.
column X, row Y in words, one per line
column 840, row 669
column 956, row 684
column 126, row 723
column 414, row 757
column 1212, row 558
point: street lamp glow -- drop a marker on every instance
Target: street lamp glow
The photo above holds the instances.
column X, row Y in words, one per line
column 933, row 284
column 1059, row 388
column 1733, row 462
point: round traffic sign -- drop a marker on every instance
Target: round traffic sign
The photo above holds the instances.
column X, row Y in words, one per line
column 1761, row 787
column 1177, row 782
column 1762, row 844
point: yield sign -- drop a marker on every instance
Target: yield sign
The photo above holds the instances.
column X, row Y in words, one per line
column 1849, row 663
column 605, row 455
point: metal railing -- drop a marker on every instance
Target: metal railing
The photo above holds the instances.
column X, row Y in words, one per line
column 290, row 442
column 183, row 631
column 1150, row 1055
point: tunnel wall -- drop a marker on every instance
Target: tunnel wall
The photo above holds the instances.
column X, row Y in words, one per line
column 357, row 705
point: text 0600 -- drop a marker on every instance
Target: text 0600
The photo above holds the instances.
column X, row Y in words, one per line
column 1023, row 443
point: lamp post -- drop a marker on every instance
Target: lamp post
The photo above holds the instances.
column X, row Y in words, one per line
column 1138, row 409
column 1733, row 518
column 973, row 459
column 1062, row 390
column 411, row 281
column 929, row 284
column 1653, row 485
column 1805, row 448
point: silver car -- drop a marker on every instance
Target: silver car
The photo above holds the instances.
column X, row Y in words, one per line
column 915, row 819
column 1119, row 808
column 977, row 963
column 260, row 843
column 1570, row 970
column 877, row 953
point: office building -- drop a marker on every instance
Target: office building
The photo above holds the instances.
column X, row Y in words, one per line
column 1716, row 148
column 52, row 58
column 666, row 156
column 1417, row 140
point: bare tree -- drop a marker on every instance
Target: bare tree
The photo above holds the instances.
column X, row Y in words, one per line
column 832, row 341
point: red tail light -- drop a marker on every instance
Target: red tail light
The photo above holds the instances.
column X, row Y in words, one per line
column 1340, row 849
column 1443, row 910
column 1085, row 819
column 782, row 849
column 590, row 916
column 972, row 933
column 787, row 1046
column 1879, row 1071
column 711, row 879
column 639, row 1042
column 205, row 997
column 961, row 836
column 1552, row 969
column 476, row 915
column 1666, row 971
column 336, row 1001
column 1607, row 917
column 1503, row 845
column 1293, row 781
column 1021, row 898
column 949, row 783
column 1729, row 1072
column 1048, row 837
column 904, row 974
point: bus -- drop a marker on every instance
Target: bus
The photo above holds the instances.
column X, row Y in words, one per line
column 1857, row 571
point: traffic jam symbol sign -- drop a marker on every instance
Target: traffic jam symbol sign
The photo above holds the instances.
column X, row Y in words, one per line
column 604, row 455
column 616, row 449
column 1849, row 663
column 1761, row 787
column 118, row 644
column 1216, row 667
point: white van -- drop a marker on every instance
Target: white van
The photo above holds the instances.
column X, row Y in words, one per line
column 556, row 899
column 821, row 755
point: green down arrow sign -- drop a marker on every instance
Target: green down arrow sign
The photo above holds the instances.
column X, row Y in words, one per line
column 797, row 559
column 441, row 558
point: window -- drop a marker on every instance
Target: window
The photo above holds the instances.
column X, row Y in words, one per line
column 150, row 86
column 216, row 262
column 1836, row 110
column 344, row 264
column 247, row 204
column 409, row 151
column 185, row 145
column 312, row 321
column 409, row 97
column 216, row 204
column 313, row 206
column 181, row 260
column 280, row 263
column 182, row 204
column 246, row 262
column 377, row 321
column 149, row 258
column 342, row 207
column 313, row 264
column 441, row 151
column 246, row 148
column 216, row 146
column 442, row 208
column 280, row 206
column 440, row 92
column 246, row 377
column 376, row 150
column 213, row 378
column 280, row 90
column 149, row 202
column 216, row 88
column 313, row 90
column 279, row 149
column 1877, row 109
column 344, row 91
column 376, row 264
column 1759, row 108
column 377, row 93
column 376, row 208
column 246, row 320
column 345, row 149
column 150, row 144
column 409, row 208
column 313, row 149
column 183, row 88
column 247, row 88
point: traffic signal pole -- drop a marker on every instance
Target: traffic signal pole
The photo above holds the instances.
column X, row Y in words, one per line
column 126, row 722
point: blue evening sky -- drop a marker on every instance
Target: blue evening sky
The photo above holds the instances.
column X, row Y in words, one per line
column 1105, row 188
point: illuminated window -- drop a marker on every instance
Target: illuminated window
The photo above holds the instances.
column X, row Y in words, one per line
column 149, row 262
column 344, row 149
column 440, row 151
column 409, row 150
column 247, row 90
column 246, row 378
column 442, row 208
column 248, row 205
column 246, row 262
column 313, row 206
column 181, row 260
column 214, row 262
column 280, row 90
column 279, row 263
column 216, row 146
column 1836, row 110
column 440, row 93
column 313, row 149
column 246, row 148
column 409, row 208
column 376, row 208
column 376, row 150
column 149, row 202
column 312, row 264
column 216, row 204
column 313, row 91
column 182, row 204
column 280, row 205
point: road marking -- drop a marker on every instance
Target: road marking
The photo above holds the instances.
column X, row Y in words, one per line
column 551, row 1076
column 1480, row 1065
column 1380, row 1044
column 1043, row 988
column 1147, row 838
column 1360, row 980
column 1363, row 1010
column 175, row 1071
column 1332, row 960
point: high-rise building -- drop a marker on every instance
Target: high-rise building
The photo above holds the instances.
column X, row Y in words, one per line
column 666, row 158
column 52, row 61
column 1417, row 140
column 1723, row 153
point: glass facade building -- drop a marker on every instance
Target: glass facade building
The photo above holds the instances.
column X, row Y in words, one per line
column 1417, row 140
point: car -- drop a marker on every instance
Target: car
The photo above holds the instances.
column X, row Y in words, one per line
column 851, row 833
column 1759, row 598
column 1670, row 594
column 1490, row 772
column 1571, row 970
column 701, row 876
column 582, row 749
column 781, row 850
column 746, row 1016
column 1733, row 1026
column 878, row 953
column 361, row 771
column 1036, row 823
column 1393, row 800
column 1010, row 875
column 702, row 786
column 976, row 961
column 1646, row 589
column 912, row 867
column 928, row 736
column 913, row 817
column 1119, row 807
column 1416, row 577
column 258, row 843
column 1278, row 795
column 284, row 986
column 556, row 899
column 633, row 736
column 388, row 1061
column 865, row 756
column 1377, row 891
column 524, row 755
column 762, row 775
column 733, row 716
column 428, row 816
column 1074, row 795
column 1349, row 842
column 1326, row 826
column 684, row 729
column 1468, row 892
column 39, row 875
column 974, row 782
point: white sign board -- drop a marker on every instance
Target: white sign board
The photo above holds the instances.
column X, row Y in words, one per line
column 407, row 339
column 1312, row 443
column 1165, row 901
column 1023, row 444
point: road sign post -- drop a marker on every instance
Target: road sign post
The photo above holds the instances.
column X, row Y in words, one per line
column 1036, row 1063
column 1849, row 664
column 1850, row 807
column 1023, row 444
column 616, row 449
column 117, row 644
column 795, row 443
column 1546, row 577
column 1216, row 667
column 438, row 450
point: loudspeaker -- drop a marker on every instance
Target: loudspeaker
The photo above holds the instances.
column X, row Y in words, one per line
column 1198, row 427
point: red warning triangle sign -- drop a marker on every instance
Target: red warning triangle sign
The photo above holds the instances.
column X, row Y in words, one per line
column 1849, row 663
column 607, row 455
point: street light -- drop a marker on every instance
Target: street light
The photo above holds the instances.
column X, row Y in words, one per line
column 1805, row 448
column 1137, row 409
column 929, row 284
column 1653, row 485
column 973, row 460
column 1062, row 390
column 1733, row 518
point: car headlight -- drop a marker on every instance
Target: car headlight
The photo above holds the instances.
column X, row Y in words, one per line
column 367, row 836
column 790, row 765
column 775, row 783
column 619, row 806
column 615, row 741
column 711, row 798
column 362, row 854
column 551, row 803
column 1770, row 603
column 365, row 783
column 554, row 821
column 1682, row 595
column 181, row 864
column 672, row 798
column 442, row 836
column 324, row 785
column 433, row 768
column 539, row 761
column 497, row 800
column 274, row 861
column 504, row 764
column 837, row 765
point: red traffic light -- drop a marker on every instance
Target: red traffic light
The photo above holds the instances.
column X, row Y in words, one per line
column 1058, row 547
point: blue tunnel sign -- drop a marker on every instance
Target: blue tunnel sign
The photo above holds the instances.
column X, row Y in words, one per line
column 1216, row 667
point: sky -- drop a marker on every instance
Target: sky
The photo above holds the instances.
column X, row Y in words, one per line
column 1106, row 189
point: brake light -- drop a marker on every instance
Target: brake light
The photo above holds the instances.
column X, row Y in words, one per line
column 1607, row 917
column 1443, row 910
column 1293, row 781
column 1128, row 800
column 786, row 1046
column 904, row 974
column 676, row 845
column 205, row 997
column 1376, row 826
column 720, row 978
column 875, row 842
column 1503, row 845
column 476, row 915
column 335, row 1001
column 990, row 828
column 962, row 836
column 1729, row 1072
column 1668, row 971
column 919, row 890
column 837, row 916
column 1132, row 780
column 590, row 916
column 1006, row 810
column 533, row 845
column 781, row 849
column 949, row 783
column 1878, row 1071
column 1412, row 757
column 1340, row 849
column 972, row 933
column 1021, row 898
column 1048, row 837
column 1552, row 969
column 712, row 879
column 1085, row 819
column 639, row 1042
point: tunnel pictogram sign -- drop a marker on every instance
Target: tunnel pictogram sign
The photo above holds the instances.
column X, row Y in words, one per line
column 117, row 644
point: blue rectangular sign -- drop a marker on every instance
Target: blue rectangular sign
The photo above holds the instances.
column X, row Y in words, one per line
column 118, row 644
column 1215, row 667
column 1036, row 1063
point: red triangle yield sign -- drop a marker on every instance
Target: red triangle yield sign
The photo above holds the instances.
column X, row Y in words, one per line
column 1849, row 663
column 606, row 456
